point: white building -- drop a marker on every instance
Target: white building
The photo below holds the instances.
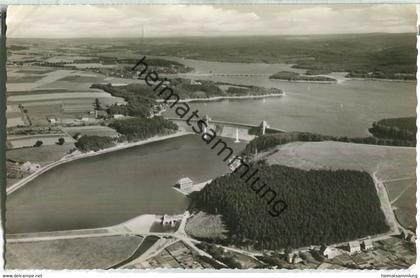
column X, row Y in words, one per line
column 118, row 116
column 354, row 247
column 52, row 121
column 171, row 219
column 193, row 82
column 294, row 258
column 29, row 167
column 234, row 163
column 184, row 183
column 367, row 244
column 330, row 252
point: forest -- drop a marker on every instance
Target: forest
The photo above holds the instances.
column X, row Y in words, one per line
column 140, row 98
column 293, row 76
column 143, row 128
column 318, row 54
column 94, row 143
column 270, row 140
column 396, row 128
column 324, row 207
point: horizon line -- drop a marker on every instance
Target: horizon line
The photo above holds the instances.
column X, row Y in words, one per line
column 216, row 36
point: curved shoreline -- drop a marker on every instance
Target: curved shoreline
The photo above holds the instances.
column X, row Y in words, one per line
column 307, row 81
column 71, row 157
column 219, row 98
column 382, row 79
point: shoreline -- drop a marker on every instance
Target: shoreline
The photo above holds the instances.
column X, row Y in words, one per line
column 219, row 98
column 305, row 81
column 380, row 79
column 72, row 157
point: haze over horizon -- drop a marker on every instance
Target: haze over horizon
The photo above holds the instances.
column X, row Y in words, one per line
column 206, row 20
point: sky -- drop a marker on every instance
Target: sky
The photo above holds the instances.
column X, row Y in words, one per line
column 206, row 20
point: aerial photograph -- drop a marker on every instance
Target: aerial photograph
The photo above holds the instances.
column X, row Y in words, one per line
column 212, row 137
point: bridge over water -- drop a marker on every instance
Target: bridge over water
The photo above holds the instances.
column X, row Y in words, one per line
column 219, row 74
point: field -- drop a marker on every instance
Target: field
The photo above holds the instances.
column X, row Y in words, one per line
column 203, row 225
column 84, row 253
column 30, row 140
column 177, row 255
column 46, row 93
column 42, row 155
column 35, row 71
column 395, row 166
column 55, row 96
column 81, row 78
column 91, row 130
column 24, row 78
column 402, row 194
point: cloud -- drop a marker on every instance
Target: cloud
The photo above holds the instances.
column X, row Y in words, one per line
column 204, row 20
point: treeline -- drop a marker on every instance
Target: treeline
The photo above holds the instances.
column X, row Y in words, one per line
column 268, row 141
column 323, row 207
column 140, row 99
column 382, row 75
column 94, row 143
column 252, row 91
column 143, row 128
column 389, row 53
column 219, row 254
column 17, row 47
column 395, row 128
column 293, row 76
column 156, row 63
column 199, row 89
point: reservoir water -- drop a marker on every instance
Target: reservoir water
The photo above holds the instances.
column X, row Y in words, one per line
column 111, row 188
column 347, row 108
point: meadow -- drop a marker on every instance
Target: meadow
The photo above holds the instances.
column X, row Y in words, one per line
column 395, row 166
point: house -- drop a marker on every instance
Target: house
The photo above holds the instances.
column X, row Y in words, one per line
column 171, row 219
column 29, row 167
column 408, row 236
column 297, row 259
column 330, row 252
column 293, row 258
column 411, row 237
column 184, row 183
column 100, row 114
column 290, row 257
column 367, row 244
column 234, row 163
column 52, row 120
column 193, row 82
column 354, row 247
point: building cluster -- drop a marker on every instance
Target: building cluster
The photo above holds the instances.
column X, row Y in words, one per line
column 391, row 253
column 177, row 255
column 170, row 219
column 29, row 167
